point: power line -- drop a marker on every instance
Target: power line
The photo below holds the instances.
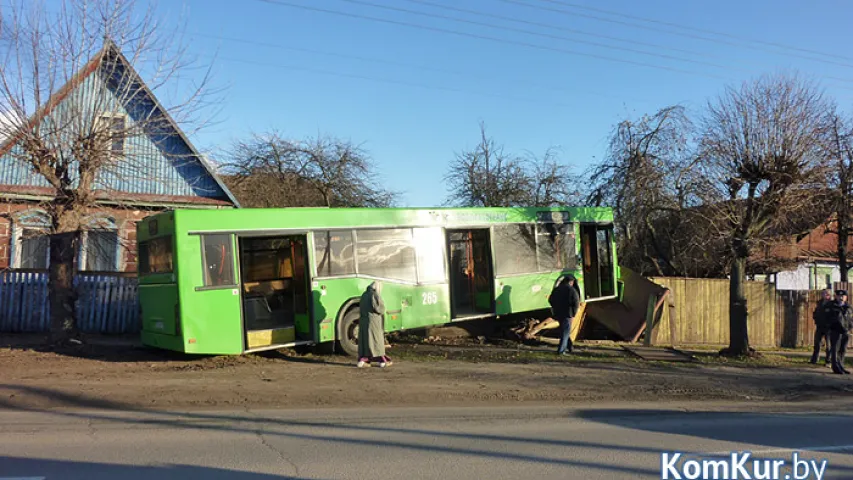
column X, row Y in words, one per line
column 335, row 73
column 486, row 37
column 503, row 40
column 527, row 32
column 658, row 30
column 405, row 65
column 557, row 27
column 545, row 25
column 697, row 29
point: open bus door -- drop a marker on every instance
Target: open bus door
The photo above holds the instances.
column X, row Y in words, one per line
column 470, row 274
column 275, row 289
column 597, row 257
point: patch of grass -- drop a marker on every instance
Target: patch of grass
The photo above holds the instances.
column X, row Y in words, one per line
column 765, row 360
column 717, row 348
column 487, row 355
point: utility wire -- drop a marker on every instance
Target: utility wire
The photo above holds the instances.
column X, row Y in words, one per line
column 545, row 25
column 696, row 29
column 658, row 30
column 513, row 42
column 407, row 65
column 486, row 37
column 528, row 32
column 335, row 73
column 558, row 28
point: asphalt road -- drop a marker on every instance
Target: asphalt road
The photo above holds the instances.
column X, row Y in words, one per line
column 519, row 443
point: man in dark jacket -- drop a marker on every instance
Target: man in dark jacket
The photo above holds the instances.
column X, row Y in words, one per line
column 839, row 319
column 565, row 301
column 821, row 332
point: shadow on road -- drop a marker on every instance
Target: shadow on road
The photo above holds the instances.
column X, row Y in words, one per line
column 25, row 468
column 770, row 431
column 783, row 433
column 272, row 427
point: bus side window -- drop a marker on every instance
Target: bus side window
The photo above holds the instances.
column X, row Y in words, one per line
column 386, row 253
column 155, row 256
column 556, row 247
column 333, row 253
column 218, row 261
column 429, row 248
column 515, row 249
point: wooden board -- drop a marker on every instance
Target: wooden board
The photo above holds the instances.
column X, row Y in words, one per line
column 265, row 338
column 578, row 322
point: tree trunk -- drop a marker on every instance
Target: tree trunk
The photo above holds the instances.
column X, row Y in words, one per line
column 60, row 287
column 738, row 335
column 843, row 228
column 843, row 234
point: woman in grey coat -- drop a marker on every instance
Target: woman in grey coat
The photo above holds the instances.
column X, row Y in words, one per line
column 371, row 328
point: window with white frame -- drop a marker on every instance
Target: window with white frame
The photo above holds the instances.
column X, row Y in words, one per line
column 30, row 243
column 100, row 246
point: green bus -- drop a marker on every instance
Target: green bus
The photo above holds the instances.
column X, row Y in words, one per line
column 244, row 280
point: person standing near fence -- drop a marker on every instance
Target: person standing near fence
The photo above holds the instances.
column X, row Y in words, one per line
column 821, row 332
column 839, row 319
column 565, row 301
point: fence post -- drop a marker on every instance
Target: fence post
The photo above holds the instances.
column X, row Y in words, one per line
column 672, row 313
column 650, row 322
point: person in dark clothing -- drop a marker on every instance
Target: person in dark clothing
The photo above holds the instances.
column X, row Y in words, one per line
column 839, row 319
column 565, row 301
column 821, row 332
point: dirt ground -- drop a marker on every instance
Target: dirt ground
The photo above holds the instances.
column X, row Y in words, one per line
column 424, row 374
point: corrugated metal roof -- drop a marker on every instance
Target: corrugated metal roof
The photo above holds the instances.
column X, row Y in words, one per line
column 161, row 163
column 822, row 254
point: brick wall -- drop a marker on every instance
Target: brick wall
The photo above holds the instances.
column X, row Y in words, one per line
column 7, row 209
column 125, row 218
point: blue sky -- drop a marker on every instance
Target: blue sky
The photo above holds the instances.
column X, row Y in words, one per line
column 415, row 96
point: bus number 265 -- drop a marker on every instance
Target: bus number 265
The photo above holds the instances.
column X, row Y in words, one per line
column 430, row 298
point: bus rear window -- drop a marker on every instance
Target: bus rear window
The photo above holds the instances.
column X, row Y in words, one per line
column 155, row 256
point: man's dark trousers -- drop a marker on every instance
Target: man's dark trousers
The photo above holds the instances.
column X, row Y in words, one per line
column 565, row 335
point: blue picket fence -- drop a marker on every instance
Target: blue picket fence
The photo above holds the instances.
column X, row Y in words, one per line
column 106, row 303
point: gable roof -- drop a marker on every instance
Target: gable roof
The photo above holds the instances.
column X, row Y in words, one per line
column 111, row 50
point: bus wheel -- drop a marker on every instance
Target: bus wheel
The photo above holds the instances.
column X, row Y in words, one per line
column 348, row 333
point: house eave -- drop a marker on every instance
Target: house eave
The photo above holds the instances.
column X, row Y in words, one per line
column 151, row 201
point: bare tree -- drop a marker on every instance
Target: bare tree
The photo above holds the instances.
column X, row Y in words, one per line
column 488, row 176
column 71, row 98
column 840, row 184
column 647, row 177
column 553, row 183
column 269, row 170
column 761, row 158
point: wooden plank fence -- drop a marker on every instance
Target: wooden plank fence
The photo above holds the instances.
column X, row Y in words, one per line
column 106, row 302
column 777, row 318
column 794, row 322
column 701, row 313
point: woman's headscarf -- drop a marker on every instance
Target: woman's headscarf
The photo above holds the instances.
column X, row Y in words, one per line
column 376, row 286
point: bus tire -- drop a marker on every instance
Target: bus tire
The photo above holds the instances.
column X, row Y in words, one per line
column 348, row 332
